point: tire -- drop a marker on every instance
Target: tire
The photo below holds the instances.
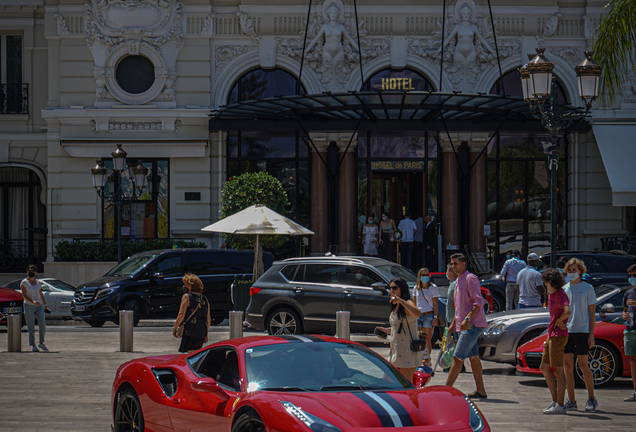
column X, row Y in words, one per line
column 498, row 303
column 603, row 361
column 127, row 412
column 284, row 321
column 134, row 306
column 95, row 323
column 249, row 422
column 216, row 321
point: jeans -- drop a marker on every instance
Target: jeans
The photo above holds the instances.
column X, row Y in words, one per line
column 467, row 345
column 30, row 312
column 512, row 295
column 407, row 254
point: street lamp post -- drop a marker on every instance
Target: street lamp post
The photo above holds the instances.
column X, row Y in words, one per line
column 137, row 175
column 540, row 92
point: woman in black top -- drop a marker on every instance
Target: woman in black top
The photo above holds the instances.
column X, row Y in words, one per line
column 197, row 321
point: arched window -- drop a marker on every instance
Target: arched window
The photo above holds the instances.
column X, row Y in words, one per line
column 512, row 83
column 261, row 83
column 397, row 80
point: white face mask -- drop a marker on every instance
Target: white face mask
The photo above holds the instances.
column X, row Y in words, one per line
column 384, row 218
column 573, row 276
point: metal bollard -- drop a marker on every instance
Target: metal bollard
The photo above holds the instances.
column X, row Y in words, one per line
column 14, row 328
column 236, row 324
column 342, row 324
column 126, row 320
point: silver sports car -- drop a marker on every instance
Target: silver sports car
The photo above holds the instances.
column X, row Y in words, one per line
column 509, row 330
column 58, row 295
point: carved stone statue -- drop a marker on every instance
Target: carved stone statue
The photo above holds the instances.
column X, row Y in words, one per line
column 465, row 32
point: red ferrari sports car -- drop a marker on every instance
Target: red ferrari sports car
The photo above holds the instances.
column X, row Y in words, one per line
column 606, row 359
column 283, row 383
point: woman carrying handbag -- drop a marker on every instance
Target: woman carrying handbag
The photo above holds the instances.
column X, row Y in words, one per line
column 403, row 330
column 193, row 320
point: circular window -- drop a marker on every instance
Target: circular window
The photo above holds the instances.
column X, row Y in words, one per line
column 135, row 74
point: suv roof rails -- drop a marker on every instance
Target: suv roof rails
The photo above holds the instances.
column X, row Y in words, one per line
column 327, row 257
column 612, row 252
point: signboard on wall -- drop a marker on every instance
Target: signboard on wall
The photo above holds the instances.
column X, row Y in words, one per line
column 406, row 165
column 405, row 80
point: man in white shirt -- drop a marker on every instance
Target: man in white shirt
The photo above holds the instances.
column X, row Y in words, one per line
column 509, row 272
column 408, row 228
column 530, row 284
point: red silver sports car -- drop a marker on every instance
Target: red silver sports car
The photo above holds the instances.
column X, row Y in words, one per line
column 606, row 359
column 283, row 383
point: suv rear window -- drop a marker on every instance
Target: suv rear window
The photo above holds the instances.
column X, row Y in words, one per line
column 321, row 273
column 289, row 272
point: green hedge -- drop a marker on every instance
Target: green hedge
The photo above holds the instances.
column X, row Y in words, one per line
column 107, row 250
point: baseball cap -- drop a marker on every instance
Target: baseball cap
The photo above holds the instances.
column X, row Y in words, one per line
column 533, row 257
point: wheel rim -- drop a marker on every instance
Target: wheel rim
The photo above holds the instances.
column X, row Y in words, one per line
column 282, row 323
column 128, row 417
column 252, row 425
column 602, row 364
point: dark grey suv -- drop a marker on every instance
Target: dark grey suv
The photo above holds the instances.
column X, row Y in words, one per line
column 302, row 295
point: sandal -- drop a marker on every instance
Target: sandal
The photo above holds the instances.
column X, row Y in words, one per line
column 477, row 395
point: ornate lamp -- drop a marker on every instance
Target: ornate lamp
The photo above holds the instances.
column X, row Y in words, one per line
column 131, row 168
column 140, row 173
column 587, row 77
column 99, row 175
column 525, row 80
column 540, row 70
column 119, row 159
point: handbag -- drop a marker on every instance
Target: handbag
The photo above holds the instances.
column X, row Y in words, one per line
column 417, row 345
column 181, row 327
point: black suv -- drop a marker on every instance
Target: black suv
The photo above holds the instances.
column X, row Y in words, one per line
column 302, row 295
column 149, row 283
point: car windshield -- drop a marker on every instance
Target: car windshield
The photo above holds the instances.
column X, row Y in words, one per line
column 319, row 366
column 602, row 290
column 131, row 265
column 59, row 285
column 393, row 271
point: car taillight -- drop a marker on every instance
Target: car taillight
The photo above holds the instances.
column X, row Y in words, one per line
column 254, row 291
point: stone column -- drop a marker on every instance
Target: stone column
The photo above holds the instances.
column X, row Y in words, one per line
column 478, row 197
column 450, row 196
column 318, row 223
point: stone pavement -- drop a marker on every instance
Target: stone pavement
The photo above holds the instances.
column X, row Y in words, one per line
column 69, row 388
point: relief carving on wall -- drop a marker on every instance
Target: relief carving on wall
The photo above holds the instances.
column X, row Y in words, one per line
column 119, row 28
column 332, row 49
column 224, row 54
column 572, row 55
column 551, row 25
column 468, row 45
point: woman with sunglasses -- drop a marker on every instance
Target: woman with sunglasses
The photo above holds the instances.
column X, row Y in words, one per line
column 425, row 295
column 194, row 312
column 403, row 321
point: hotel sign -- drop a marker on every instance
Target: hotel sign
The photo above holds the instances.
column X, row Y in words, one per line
column 397, row 84
column 407, row 165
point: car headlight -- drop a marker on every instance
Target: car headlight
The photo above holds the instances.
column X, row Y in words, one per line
column 498, row 329
column 311, row 421
column 105, row 291
column 477, row 422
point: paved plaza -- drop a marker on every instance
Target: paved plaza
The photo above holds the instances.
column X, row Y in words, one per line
column 69, row 388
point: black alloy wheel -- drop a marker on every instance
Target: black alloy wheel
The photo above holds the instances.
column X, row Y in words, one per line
column 95, row 323
column 133, row 305
column 249, row 422
column 498, row 303
column 284, row 322
column 128, row 416
column 604, row 363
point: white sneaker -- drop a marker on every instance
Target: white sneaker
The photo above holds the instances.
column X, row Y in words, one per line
column 42, row 347
column 34, row 348
column 552, row 404
column 555, row 409
column 632, row 398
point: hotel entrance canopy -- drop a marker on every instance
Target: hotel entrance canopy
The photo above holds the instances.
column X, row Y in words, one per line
column 381, row 110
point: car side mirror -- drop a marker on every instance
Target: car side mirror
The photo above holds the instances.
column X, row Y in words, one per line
column 211, row 386
column 420, row 379
column 379, row 286
column 157, row 276
column 608, row 308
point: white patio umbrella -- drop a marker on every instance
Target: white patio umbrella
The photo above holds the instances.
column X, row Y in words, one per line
column 258, row 220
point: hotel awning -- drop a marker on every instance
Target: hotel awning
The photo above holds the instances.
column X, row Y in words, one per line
column 617, row 144
column 386, row 110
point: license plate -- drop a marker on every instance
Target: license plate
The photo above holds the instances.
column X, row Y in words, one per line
column 80, row 308
column 13, row 310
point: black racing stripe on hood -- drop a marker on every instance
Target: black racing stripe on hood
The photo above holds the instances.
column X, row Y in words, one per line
column 384, row 416
column 405, row 418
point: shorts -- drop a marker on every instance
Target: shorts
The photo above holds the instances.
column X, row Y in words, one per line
column 629, row 337
column 425, row 321
column 577, row 344
column 467, row 346
column 553, row 351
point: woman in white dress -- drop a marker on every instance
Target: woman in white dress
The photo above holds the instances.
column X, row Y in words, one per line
column 371, row 236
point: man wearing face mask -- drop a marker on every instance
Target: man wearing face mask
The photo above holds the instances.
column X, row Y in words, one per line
column 34, row 306
column 629, row 336
column 581, row 332
column 509, row 272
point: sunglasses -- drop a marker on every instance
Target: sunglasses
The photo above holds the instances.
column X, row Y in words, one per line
column 393, row 287
column 454, row 263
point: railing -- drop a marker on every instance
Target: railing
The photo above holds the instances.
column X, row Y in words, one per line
column 625, row 244
column 17, row 254
column 14, row 98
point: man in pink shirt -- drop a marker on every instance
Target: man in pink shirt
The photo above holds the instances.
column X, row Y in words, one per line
column 470, row 321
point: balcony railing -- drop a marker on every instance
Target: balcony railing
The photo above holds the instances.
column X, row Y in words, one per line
column 14, row 98
column 17, row 254
column 625, row 244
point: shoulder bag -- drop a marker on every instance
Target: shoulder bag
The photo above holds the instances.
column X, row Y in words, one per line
column 417, row 345
column 181, row 327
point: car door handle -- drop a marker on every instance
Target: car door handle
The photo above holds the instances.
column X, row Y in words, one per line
column 298, row 289
column 348, row 292
column 176, row 401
